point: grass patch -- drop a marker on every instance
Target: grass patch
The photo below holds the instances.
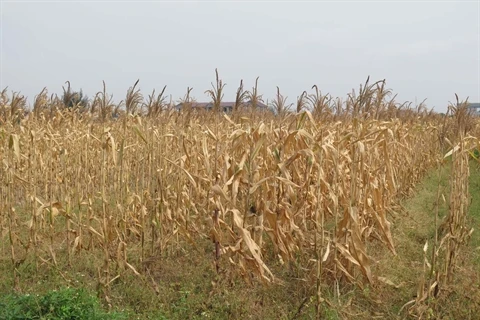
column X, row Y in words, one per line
column 67, row 303
column 414, row 226
column 474, row 211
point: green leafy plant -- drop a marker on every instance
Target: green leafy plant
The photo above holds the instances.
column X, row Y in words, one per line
column 63, row 304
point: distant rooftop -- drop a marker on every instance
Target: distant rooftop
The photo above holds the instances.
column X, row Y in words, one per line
column 226, row 106
column 474, row 105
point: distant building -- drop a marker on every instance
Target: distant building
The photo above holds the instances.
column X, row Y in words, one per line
column 475, row 107
column 224, row 106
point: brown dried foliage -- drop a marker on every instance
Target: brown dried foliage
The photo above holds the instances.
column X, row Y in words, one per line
column 319, row 186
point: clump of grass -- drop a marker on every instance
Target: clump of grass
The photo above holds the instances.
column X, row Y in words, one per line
column 66, row 303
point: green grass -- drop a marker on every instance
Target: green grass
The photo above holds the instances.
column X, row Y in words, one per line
column 67, row 303
column 474, row 211
column 412, row 227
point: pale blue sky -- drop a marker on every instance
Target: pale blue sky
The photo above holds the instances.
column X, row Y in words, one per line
column 423, row 49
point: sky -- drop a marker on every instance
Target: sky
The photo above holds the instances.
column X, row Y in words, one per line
column 424, row 50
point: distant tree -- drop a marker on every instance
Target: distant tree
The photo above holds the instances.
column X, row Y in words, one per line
column 74, row 99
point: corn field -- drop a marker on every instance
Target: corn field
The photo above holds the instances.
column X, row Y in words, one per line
column 315, row 187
